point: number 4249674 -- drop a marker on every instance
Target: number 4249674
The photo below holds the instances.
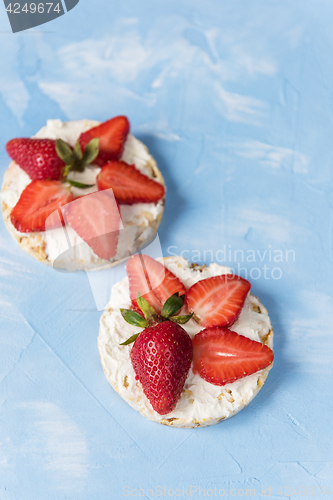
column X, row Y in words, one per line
column 303, row 491
column 34, row 8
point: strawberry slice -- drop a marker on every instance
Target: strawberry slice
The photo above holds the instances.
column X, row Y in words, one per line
column 139, row 282
column 37, row 157
column 217, row 301
column 37, row 202
column 221, row 356
column 128, row 184
column 112, row 135
column 96, row 219
column 154, row 281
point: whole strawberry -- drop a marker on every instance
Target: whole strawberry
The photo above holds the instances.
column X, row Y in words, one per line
column 162, row 353
column 37, row 157
column 161, row 357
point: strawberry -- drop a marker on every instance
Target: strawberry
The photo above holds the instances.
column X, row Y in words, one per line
column 112, row 135
column 217, row 301
column 37, row 202
column 128, row 184
column 154, row 281
column 162, row 353
column 221, row 356
column 37, row 157
column 96, row 219
column 161, row 358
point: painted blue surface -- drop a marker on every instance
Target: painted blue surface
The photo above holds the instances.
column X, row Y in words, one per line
column 234, row 99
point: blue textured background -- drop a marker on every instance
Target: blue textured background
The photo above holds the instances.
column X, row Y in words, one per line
column 235, row 101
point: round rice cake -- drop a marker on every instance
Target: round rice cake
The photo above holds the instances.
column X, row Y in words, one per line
column 140, row 221
column 201, row 403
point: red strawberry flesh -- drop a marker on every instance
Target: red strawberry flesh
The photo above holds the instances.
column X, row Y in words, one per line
column 221, row 356
column 96, row 219
column 112, row 135
column 129, row 184
column 37, row 202
column 37, row 157
column 154, row 281
column 218, row 301
column 161, row 358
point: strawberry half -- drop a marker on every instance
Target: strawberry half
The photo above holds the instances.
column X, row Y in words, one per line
column 96, row 219
column 37, row 202
column 112, row 135
column 221, row 356
column 154, row 281
column 128, row 184
column 37, row 157
column 217, row 301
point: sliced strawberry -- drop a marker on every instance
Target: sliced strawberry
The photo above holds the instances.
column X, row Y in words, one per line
column 139, row 282
column 96, row 219
column 37, row 157
column 154, row 281
column 128, row 184
column 221, row 356
column 112, row 135
column 37, row 202
column 218, row 301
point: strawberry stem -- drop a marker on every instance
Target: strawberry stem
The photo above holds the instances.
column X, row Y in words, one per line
column 75, row 159
column 171, row 306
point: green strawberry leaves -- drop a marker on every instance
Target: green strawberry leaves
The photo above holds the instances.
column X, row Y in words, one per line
column 75, row 159
column 131, row 339
column 91, row 152
column 65, row 152
column 133, row 318
column 79, row 184
column 77, row 150
column 181, row 320
column 173, row 305
column 148, row 311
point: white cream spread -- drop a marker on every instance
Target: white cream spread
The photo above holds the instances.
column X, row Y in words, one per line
column 139, row 215
column 201, row 403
